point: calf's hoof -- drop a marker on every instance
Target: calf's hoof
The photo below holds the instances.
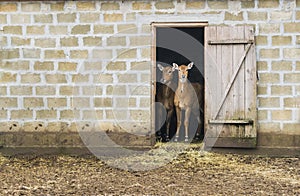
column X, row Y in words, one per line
column 176, row 139
column 186, row 139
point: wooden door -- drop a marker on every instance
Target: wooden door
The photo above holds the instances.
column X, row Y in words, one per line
column 230, row 87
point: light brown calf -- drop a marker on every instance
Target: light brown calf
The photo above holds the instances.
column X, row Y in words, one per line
column 188, row 97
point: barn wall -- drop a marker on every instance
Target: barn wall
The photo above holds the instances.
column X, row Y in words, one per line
column 85, row 65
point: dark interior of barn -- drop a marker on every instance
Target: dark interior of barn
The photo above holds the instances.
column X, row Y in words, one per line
column 181, row 46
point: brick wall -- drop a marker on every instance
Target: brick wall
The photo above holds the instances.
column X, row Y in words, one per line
column 85, row 65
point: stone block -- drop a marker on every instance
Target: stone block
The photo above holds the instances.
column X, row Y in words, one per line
column 58, row 30
column 269, row 102
column 30, row 78
column 30, row 7
column 195, row 4
column 103, row 102
column 127, row 78
column 103, row 29
column 14, row 30
column 140, row 41
column 292, row 27
column 164, row 5
column 80, row 78
column 57, row 6
column 57, row 102
column 116, row 41
column 45, row 90
column 120, row 65
column 31, row 53
column 66, row 18
column 67, row 66
column 281, row 15
column 127, row 53
column 103, row 78
column 80, row 102
column 292, row 102
column 247, row 4
column 9, row 54
column 55, row 54
column 110, row 6
column 44, row 66
column 45, row 43
column 6, row 77
column 92, row 41
column 261, row 40
column 141, row 6
column 46, row 114
column 69, row 41
column 21, row 114
column 56, row 78
column 21, row 90
column 292, row 78
column 79, row 54
column 291, row 53
column 127, row 29
column 113, row 18
column 281, row 90
column 6, row 102
column 269, row 78
column 281, row 115
column 81, row 29
column 89, row 17
column 116, row 90
column 269, row 53
column 35, row 30
column 33, row 102
column 86, row 6
column 43, row 18
column 8, row 7
column 281, row 40
column 66, row 114
column 217, row 4
column 234, row 17
column 102, row 54
column 262, row 115
column 92, row 66
column 268, row 4
column 267, row 28
column 20, row 19
column 257, row 16
column 282, row 66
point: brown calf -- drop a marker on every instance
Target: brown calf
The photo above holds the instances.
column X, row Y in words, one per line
column 188, row 97
column 166, row 95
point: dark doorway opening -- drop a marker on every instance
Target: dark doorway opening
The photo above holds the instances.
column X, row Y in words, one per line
column 180, row 45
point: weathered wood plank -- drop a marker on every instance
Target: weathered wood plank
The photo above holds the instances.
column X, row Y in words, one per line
column 240, row 122
column 231, row 142
column 238, row 88
column 225, row 111
column 211, row 85
column 230, row 42
column 250, row 85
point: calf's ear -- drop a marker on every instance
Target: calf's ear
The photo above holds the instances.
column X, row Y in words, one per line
column 175, row 66
column 190, row 65
column 160, row 67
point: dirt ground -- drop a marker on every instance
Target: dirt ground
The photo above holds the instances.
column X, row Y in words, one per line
column 193, row 172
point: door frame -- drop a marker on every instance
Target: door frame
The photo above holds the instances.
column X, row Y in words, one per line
column 155, row 25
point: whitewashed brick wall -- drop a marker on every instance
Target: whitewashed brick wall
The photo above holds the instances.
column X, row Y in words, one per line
column 80, row 61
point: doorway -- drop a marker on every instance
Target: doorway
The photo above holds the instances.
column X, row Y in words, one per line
column 179, row 43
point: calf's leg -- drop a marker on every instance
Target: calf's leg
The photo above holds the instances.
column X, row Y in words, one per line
column 178, row 114
column 186, row 123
